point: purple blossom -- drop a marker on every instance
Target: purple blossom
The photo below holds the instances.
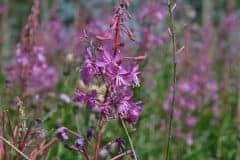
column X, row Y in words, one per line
column 89, row 68
column 117, row 73
column 61, row 133
column 189, row 139
column 184, row 86
column 53, row 36
column 123, row 108
column 134, row 112
column 89, row 98
column 229, row 22
column 65, row 98
column 212, row 85
column 106, row 60
column 191, row 121
column 87, row 72
column 32, row 69
column 133, row 76
column 151, row 14
column 79, row 96
column 118, row 76
column 80, row 142
column 155, row 10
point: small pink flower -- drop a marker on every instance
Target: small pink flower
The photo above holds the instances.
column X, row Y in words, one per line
column 191, row 121
column 189, row 139
column 184, row 86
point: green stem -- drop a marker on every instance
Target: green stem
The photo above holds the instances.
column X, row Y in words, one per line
column 171, row 7
column 15, row 148
column 238, row 117
column 129, row 138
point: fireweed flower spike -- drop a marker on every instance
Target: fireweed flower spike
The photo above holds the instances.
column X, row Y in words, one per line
column 151, row 15
column 29, row 68
column 119, row 73
column 106, row 64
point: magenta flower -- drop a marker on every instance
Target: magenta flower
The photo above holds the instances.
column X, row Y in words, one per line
column 61, row 133
column 32, row 69
column 105, row 65
column 89, row 98
column 29, row 69
column 53, row 36
column 191, row 121
column 119, row 72
column 107, row 60
column 89, row 68
column 80, row 142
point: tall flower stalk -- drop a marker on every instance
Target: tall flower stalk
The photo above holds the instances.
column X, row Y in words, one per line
column 29, row 69
column 171, row 7
column 106, row 65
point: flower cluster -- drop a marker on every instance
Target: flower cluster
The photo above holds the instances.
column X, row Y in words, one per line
column 63, row 134
column 108, row 75
column 118, row 72
column 229, row 22
column 151, row 15
column 32, row 70
column 82, row 142
column 29, row 68
column 54, row 36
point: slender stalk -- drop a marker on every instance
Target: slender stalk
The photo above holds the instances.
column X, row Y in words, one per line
column 86, row 154
column 15, row 148
column 99, row 137
column 122, row 155
column 171, row 7
column 238, row 122
column 116, row 37
column 45, row 147
column 129, row 138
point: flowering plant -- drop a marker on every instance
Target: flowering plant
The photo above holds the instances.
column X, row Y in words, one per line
column 118, row 72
